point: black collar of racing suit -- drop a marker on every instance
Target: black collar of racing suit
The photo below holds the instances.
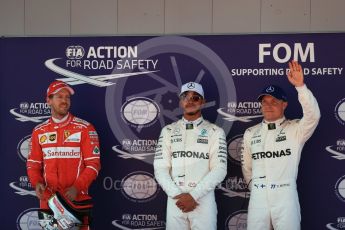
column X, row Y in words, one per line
column 275, row 124
column 192, row 124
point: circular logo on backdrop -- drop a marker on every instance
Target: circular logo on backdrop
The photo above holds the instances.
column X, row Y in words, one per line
column 178, row 60
column 340, row 188
column 140, row 111
column 139, row 186
column 235, row 147
column 75, row 52
column 28, row 220
column 339, row 111
column 237, row 221
column 23, row 147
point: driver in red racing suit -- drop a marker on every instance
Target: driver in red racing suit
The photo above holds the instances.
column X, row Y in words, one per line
column 64, row 154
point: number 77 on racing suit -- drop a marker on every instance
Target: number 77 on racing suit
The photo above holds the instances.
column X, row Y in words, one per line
column 190, row 160
column 271, row 155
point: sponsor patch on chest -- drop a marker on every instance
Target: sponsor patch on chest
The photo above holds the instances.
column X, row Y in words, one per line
column 175, row 140
column 255, row 141
column 280, row 138
column 202, row 140
column 47, row 138
column 271, row 154
column 72, row 136
column 61, row 152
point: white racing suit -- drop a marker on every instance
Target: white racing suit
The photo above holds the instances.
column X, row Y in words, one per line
column 270, row 161
column 191, row 160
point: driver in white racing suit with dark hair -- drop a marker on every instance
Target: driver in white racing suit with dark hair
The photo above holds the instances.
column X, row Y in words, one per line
column 271, row 155
column 190, row 160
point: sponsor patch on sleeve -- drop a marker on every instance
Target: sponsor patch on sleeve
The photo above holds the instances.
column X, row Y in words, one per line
column 93, row 135
column 95, row 150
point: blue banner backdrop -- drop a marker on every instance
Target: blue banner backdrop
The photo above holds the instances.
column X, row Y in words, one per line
column 127, row 87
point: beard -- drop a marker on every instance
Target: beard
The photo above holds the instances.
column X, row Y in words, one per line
column 61, row 110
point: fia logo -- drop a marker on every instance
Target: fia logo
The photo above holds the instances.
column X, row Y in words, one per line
column 75, row 52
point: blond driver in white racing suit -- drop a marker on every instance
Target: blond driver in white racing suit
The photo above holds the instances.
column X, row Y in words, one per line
column 271, row 155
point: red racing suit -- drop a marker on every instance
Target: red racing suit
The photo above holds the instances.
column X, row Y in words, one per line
column 63, row 155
